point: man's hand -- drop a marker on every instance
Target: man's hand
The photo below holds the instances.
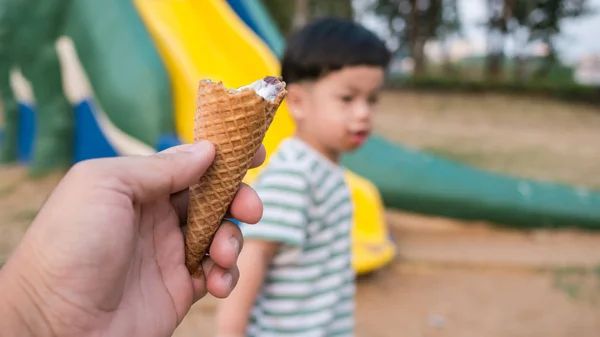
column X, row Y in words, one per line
column 105, row 255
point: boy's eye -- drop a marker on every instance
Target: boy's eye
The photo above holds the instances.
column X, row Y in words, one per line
column 347, row 99
column 373, row 99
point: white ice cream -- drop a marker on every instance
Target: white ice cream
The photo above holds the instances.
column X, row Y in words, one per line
column 266, row 90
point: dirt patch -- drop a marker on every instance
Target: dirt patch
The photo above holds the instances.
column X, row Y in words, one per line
column 20, row 199
column 458, row 279
column 419, row 299
column 422, row 300
column 448, row 242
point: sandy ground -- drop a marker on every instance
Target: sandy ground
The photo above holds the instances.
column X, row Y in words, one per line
column 451, row 278
column 506, row 284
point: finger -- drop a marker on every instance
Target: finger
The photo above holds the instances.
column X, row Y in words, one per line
column 213, row 279
column 259, row 158
column 226, row 245
column 145, row 178
column 246, row 206
column 220, row 281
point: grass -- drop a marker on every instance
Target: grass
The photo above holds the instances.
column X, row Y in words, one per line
column 566, row 91
column 469, row 76
column 7, row 190
column 477, row 65
column 25, row 215
column 578, row 283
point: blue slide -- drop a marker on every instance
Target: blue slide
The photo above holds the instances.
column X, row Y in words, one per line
column 255, row 15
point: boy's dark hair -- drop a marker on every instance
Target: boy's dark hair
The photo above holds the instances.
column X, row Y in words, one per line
column 329, row 44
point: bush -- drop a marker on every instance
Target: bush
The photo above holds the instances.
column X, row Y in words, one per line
column 563, row 90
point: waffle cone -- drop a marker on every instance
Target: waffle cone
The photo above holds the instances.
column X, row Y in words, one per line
column 236, row 122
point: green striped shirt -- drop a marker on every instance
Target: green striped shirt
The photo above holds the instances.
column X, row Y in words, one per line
column 309, row 287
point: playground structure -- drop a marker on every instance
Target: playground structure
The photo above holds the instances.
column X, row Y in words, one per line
column 139, row 95
column 130, row 70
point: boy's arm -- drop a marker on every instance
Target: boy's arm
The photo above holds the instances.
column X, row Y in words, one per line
column 285, row 198
column 233, row 312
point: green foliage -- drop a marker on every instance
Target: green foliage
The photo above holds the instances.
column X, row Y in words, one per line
column 472, row 67
column 541, row 20
column 578, row 283
column 338, row 8
column 25, row 215
column 410, row 24
column 282, row 11
column 7, row 190
column 545, row 17
column 413, row 23
column 560, row 90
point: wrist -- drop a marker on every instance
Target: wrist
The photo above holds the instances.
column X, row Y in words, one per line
column 21, row 313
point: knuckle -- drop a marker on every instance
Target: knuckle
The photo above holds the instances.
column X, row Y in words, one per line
column 83, row 170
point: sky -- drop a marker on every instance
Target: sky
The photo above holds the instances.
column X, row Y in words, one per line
column 579, row 38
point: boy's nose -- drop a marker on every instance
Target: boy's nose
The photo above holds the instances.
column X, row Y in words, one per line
column 363, row 111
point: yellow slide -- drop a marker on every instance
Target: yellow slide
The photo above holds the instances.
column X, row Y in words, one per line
column 206, row 39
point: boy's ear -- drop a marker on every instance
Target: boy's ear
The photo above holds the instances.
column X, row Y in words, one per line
column 295, row 99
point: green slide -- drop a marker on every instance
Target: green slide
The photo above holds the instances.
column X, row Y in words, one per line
column 424, row 183
column 124, row 67
column 127, row 108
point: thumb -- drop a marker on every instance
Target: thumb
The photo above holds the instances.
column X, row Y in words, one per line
column 145, row 178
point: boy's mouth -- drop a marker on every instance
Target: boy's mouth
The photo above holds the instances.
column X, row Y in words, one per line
column 359, row 137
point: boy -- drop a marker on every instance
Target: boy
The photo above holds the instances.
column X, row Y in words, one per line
column 296, row 264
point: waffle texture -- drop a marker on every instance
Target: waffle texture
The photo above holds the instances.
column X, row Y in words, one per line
column 236, row 122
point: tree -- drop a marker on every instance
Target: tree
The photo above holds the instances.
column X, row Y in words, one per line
column 544, row 24
column 499, row 14
column 410, row 24
column 518, row 27
column 301, row 13
column 533, row 21
column 339, row 8
column 413, row 23
column 450, row 26
column 291, row 14
column 282, row 12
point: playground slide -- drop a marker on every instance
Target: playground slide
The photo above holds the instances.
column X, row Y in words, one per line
column 111, row 89
column 129, row 81
column 427, row 184
column 200, row 39
column 256, row 16
column 138, row 96
column 196, row 42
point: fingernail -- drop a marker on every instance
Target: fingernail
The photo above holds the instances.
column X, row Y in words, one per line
column 202, row 145
column 235, row 244
column 227, row 278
